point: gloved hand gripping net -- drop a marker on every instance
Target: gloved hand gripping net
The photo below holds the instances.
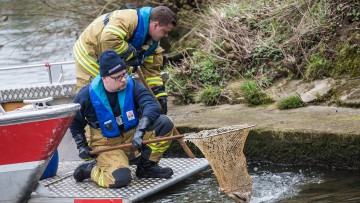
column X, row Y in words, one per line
column 223, row 148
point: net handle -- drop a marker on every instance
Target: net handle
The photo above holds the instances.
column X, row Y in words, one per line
column 221, row 133
column 129, row 145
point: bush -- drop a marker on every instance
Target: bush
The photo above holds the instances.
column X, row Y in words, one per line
column 291, row 102
column 210, row 95
column 253, row 94
column 318, row 67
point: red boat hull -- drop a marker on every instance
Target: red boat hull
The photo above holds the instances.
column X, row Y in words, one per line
column 28, row 141
column 33, row 141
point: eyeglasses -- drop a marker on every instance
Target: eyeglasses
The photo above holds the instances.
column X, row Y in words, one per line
column 118, row 78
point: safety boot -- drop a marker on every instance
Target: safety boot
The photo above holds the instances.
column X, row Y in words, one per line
column 150, row 169
column 83, row 171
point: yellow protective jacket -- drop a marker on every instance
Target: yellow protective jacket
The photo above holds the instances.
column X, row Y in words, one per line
column 116, row 34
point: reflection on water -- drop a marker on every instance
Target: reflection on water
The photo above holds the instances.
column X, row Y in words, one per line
column 335, row 186
column 32, row 39
column 272, row 183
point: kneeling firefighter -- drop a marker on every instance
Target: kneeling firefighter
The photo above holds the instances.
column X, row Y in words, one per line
column 118, row 110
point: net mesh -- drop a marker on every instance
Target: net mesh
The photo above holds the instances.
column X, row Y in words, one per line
column 223, row 148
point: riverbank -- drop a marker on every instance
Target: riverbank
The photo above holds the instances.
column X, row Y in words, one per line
column 312, row 135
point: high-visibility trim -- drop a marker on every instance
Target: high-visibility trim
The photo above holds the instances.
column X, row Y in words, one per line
column 122, row 48
column 149, row 59
column 101, row 179
column 85, row 59
column 161, row 94
column 130, row 56
column 159, row 149
column 86, row 54
column 154, row 80
column 119, row 32
column 84, row 63
column 129, row 70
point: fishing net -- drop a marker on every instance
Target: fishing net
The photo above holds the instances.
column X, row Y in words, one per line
column 223, row 148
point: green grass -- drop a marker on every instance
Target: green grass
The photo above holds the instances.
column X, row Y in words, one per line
column 210, row 95
column 318, row 67
column 291, row 102
column 253, row 94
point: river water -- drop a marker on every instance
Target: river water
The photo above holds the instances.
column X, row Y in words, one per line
column 22, row 42
column 27, row 38
column 272, row 183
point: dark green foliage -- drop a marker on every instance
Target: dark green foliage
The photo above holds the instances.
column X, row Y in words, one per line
column 318, row 67
column 177, row 83
column 291, row 102
column 348, row 59
column 202, row 71
column 210, row 95
column 207, row 72
column 253, row 94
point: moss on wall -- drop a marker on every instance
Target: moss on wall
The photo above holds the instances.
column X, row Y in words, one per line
column 304, row 148
column 347, row 61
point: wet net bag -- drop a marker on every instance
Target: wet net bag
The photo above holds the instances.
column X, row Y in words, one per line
column 223, row 148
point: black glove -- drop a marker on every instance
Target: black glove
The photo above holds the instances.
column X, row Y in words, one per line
column 84, row 152
column 137, row 140
column 133, row 61
column 134, row 68
column 163, row 103
column 84, row 149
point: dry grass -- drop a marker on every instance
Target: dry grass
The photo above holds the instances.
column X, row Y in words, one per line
column 265, row 40
column 236, row 31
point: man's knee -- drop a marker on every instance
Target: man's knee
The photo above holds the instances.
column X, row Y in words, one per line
column 166, row 121
column 122, row 177
column 162, row 126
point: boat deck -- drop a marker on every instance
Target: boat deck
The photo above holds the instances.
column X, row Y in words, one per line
column 63, row 187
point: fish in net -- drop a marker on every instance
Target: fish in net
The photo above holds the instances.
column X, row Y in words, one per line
column 223, row 148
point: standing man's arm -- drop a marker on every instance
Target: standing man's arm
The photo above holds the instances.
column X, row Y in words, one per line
column 152, row 72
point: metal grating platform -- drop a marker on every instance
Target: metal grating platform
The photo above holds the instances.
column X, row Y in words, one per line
column 64, row 186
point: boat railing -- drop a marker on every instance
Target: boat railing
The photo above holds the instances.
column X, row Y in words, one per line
column 57, row 88
column 49, row 66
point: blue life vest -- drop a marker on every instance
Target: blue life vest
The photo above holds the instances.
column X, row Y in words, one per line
column 106, row 118
column 141, row 32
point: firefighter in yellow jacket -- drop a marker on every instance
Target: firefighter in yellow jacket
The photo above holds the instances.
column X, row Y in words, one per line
column 135, row 35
